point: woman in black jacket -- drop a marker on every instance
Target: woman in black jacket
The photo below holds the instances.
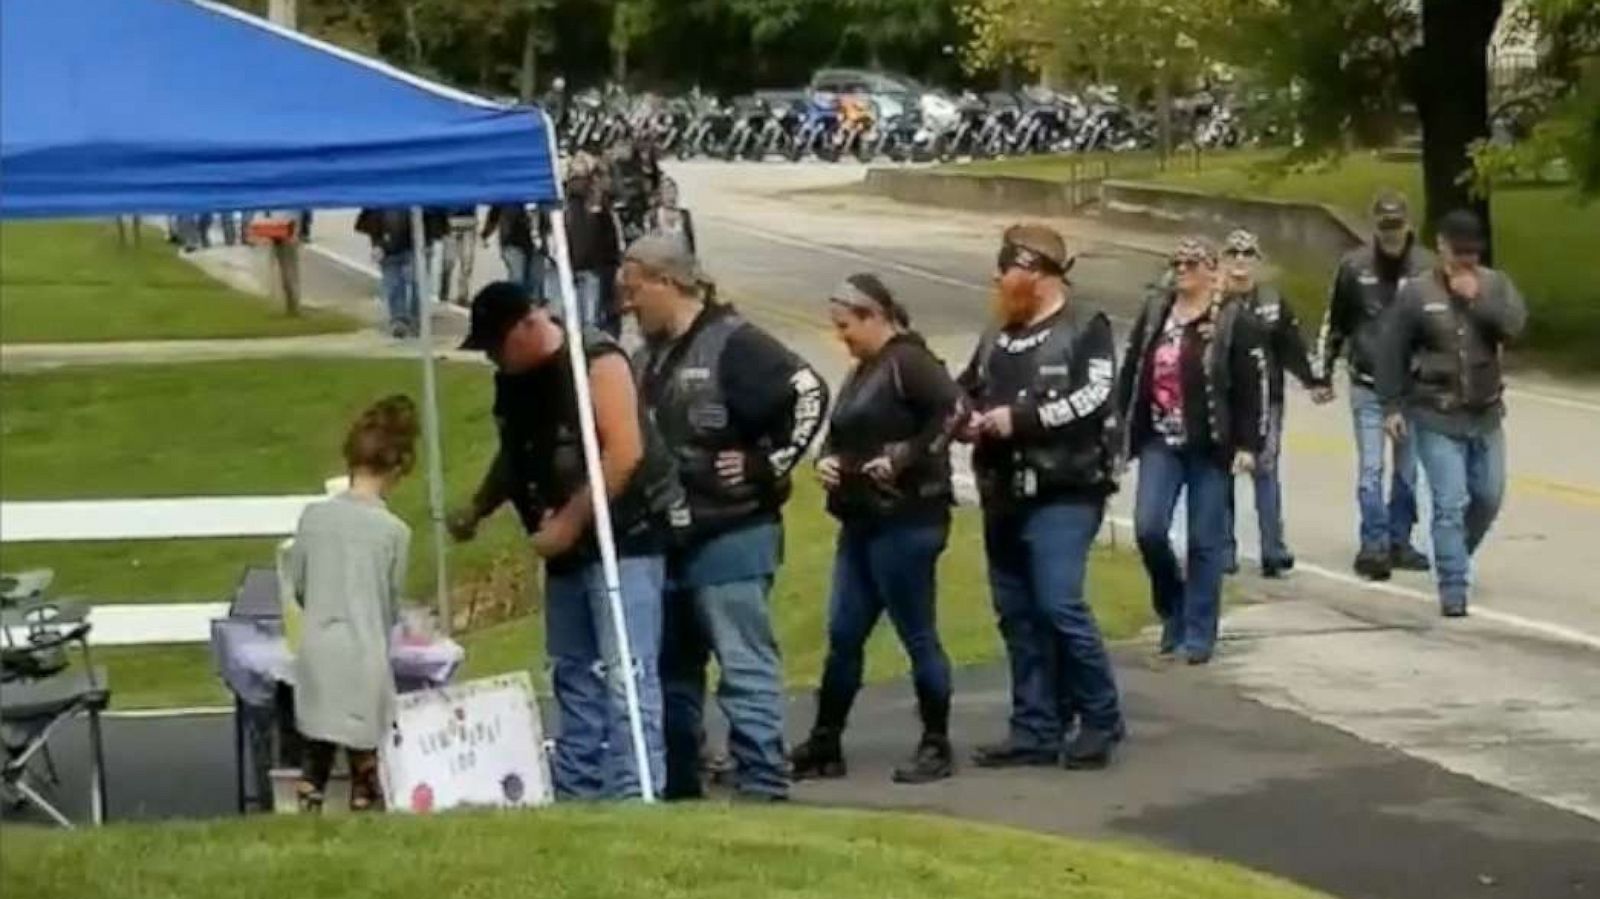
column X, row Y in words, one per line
column 886, row 466
column 1192, row 395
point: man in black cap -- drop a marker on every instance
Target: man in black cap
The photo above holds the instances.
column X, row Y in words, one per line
column 739, row 411
column 1439, row 378
column 1363, row 289
column 540, row 470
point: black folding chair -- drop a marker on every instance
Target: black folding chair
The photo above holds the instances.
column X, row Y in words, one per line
column 41, row 691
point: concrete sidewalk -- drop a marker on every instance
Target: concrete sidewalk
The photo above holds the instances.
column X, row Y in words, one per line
column 1206, row 771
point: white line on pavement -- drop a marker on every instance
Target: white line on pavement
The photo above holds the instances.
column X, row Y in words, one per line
column 1509, row 619
column 193, row 712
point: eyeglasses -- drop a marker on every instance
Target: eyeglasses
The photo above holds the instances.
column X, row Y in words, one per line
column 1186, row 265
column 1241, row 254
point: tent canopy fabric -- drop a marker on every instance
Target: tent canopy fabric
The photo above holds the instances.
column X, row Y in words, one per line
column 168, row 106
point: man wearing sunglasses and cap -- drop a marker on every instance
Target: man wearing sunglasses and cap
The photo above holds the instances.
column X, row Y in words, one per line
column 540, row 471
column 1286, row 349
column 1364, row 287
column 1040, row 385
column 1439, row 377
column 738, row 411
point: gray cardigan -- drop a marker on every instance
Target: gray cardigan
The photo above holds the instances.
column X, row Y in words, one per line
column 348, row 566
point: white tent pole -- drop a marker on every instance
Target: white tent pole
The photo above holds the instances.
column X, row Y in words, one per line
column 597, row 493
column 430, row 414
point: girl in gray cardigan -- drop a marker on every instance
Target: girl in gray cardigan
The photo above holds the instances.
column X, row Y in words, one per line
column 348, row 566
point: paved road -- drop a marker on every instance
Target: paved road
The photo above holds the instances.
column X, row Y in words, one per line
column 1205, row 772
column 1511, row 697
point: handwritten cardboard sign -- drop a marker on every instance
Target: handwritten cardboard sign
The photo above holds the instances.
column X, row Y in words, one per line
column 476, row 744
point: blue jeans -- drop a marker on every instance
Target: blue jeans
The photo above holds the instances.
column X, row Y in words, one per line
column 519, row 265
column 881, row 568
column 1383, row 526
column 186, row 228
column 1189, row 605
column 399, row 283
column 596, row 289
column 733, row 622
column 455, row 264
column 1268, row 485
column 594, row 746
column 1468, row 478
column 1038, row 559
column 229, row 222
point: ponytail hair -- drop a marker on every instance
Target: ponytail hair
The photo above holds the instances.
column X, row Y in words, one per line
column 873, row 288
column 383, row 438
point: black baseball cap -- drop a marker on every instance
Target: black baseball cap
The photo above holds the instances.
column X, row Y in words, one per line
column 496, row 309
column 1462, row 230
column 1390, row 210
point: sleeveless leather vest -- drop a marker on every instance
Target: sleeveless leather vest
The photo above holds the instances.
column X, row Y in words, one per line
column 1077, row 458
column 537, row 413
column 687, row 405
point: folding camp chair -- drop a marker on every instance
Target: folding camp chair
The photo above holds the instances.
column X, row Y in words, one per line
column 42, row 691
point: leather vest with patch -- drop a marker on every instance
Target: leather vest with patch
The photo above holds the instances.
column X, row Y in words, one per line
column 1075, row 458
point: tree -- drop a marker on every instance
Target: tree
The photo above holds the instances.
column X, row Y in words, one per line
column 630, row 21
column 1450, row 83
column 1564, row 100
column 883, row 24
column 1339, row 64
column 1155, row 45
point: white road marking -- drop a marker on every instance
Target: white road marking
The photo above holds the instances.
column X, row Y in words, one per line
column 1510, row 619
column 192, row 712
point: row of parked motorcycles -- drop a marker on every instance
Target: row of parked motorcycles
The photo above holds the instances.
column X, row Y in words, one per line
column 900, row 127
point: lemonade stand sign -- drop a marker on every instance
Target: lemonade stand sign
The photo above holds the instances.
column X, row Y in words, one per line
column 476, row 744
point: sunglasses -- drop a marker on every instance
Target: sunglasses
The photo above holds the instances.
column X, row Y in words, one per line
column 1241, row 254
column 1187, row 265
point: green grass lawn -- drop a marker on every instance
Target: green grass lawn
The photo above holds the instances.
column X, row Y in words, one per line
column 1543, row 237
column 706, row 851
column 275, row 427
column 72, row 282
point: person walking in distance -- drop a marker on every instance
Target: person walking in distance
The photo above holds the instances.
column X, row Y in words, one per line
column 1192, row 395
column 595, row 237
column 540, row 471
column 1365, row 285
column 1040, row 386
column 667, row 217
column 738, row 411
column 513, row 226
column 460, row 248
column 1286, row 349
column 886, row 467
column 1440, row 381
column 394, row 250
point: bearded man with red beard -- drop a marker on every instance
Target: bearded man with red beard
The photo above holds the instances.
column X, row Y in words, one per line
column 1040, row 384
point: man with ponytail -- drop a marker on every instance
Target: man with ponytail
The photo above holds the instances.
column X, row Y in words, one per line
column 739, row 411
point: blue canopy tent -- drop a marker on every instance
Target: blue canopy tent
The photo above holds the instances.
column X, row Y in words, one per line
column 114, row 107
